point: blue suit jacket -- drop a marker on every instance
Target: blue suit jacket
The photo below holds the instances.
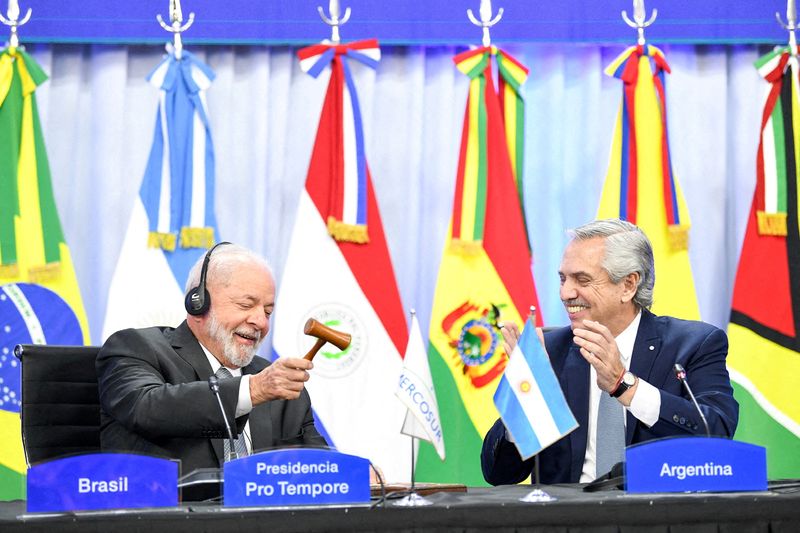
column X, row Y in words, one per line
column 660, row 343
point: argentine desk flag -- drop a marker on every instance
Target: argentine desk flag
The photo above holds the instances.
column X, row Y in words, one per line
column 415, row 390
column 529, row 398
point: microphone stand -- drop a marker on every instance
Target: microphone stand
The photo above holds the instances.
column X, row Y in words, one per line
column 413, row 499
column 680, row 373
column 537, row 495
column 213, row 384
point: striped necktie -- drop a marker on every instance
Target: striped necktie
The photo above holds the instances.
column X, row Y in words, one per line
column 239, row 443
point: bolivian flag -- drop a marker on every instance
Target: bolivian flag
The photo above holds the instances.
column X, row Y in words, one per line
column 39, row 297
column 641, row 186
column 485, row 274
column 764, row 356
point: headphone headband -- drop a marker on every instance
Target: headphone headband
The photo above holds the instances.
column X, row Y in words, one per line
column 198, row 300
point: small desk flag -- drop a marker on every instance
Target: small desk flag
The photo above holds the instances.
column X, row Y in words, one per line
column 415, row 390
column 529, row 398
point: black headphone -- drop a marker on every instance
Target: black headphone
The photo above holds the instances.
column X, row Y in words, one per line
column 198, row 300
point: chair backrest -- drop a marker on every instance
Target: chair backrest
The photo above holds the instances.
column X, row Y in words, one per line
column 60, row 403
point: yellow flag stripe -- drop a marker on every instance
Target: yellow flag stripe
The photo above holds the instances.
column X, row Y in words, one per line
column 476, row 271
column 471, row 168
column 771, row 368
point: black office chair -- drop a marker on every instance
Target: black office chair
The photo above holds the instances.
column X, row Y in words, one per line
column 60, row 403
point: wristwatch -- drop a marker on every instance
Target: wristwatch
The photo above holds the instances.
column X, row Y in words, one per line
column 628, row 381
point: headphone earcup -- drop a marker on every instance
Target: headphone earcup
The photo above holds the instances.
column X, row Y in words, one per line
column 197, row 304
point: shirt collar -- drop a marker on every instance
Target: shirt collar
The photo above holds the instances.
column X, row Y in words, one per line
column 215, row 364
column 627, row 338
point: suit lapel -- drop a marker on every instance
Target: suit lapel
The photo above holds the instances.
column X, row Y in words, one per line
column 645, row 352
column 188, row 348
column 576, row 387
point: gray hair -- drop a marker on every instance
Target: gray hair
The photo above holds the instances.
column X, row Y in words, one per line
column 223, row 263
column 627, row 250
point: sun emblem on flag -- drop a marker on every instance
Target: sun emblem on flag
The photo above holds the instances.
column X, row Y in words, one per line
column 525, row 386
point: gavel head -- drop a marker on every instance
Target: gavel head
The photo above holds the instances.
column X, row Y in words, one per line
column 337, row 338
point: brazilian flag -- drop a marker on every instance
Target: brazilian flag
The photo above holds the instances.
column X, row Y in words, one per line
column 39, row 297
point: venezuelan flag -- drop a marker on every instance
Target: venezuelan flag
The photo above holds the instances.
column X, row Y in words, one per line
column 764, row 356
column 641, row 186
column 36, row 272
column 485, row 274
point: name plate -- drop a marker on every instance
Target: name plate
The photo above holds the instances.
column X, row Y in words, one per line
column 102, row 481
column 296, row 476
column 695, row 464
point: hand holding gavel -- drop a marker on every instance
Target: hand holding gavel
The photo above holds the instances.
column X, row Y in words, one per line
column 324, row 334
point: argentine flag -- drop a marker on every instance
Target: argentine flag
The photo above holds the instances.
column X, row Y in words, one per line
column 173, row 222
column 529, row 398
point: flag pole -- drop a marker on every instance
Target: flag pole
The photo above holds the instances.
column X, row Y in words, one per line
column 13, row 21
column 790, row 25
column 537, row 494
column 413, row 499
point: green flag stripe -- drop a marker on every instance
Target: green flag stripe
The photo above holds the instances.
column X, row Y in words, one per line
column 480, row 204
column 461, row 440
column 780, row 151
column 10, row 115
column 51, row 226
column 756, row 426
column 12, row 484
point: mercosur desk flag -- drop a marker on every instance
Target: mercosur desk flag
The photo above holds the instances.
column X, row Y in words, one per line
column 529, row 398
column 173, row 221
column 39, row 297
column 764, row 329
column 485, row 273
column 641, row 186
column 415, row 390
column 339, row 271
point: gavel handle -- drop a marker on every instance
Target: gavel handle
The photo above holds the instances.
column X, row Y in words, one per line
column 314, row 349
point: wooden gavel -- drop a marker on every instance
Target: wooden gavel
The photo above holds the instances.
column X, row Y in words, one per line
column 324, row 334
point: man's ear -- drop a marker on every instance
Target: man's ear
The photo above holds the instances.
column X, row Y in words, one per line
column 629, row 285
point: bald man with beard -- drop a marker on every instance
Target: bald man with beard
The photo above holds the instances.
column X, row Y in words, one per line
column 153, row 382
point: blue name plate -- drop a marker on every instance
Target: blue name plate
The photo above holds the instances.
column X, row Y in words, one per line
column 102, row 481
column 695, row 464
column 296, row 476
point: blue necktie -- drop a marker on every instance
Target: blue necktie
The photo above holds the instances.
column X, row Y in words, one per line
column 239, row 444
column 610, row 443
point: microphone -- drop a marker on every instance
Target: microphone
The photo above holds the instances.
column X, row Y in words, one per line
column 680, row 373
column 213, row 384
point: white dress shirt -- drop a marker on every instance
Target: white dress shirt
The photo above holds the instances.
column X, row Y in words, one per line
column 245, row 404
column 645, row 404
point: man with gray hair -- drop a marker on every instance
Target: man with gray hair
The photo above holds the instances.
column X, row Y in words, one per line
column 154, row 382
column 615, row 363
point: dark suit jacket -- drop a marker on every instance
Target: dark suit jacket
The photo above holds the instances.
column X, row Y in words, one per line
column 155, row 400
column 660, row 343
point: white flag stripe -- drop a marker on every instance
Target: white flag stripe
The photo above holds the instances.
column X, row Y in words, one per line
column 142, row 275
column 350, row 211
column 520, row 377
column 198, row 215
column 770, row 170
column 354, row 397
column 164, row 208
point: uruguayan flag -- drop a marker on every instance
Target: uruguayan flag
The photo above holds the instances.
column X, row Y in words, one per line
column 529, row 398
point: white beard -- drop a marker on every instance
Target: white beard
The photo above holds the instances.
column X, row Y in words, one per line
column 239, row 355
